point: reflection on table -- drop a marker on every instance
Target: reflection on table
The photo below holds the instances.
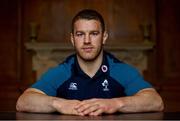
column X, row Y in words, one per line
column 57, row 116
column 103, row 117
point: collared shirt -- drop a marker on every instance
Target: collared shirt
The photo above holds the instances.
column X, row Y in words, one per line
column 113, row 79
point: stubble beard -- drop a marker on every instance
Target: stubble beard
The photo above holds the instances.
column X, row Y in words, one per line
column 90, row 59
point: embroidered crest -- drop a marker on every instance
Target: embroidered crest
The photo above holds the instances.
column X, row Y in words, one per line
column 105, row 84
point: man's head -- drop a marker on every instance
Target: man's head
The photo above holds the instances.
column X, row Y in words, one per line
column 88, row 34
column 88, row 14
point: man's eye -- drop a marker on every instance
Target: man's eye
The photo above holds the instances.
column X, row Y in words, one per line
column 79, row 34
column 95, row 33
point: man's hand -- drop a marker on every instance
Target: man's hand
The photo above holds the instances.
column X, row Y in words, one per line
column 66, row 106
column 97, row 106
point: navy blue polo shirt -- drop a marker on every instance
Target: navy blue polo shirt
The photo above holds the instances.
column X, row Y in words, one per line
column 113, row 79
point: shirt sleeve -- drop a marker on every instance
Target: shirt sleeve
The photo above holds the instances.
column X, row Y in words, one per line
column 130, row 78
column 135, row 83
column 51, row 80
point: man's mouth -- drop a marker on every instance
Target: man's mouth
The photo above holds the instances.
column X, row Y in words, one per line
column 87, row 49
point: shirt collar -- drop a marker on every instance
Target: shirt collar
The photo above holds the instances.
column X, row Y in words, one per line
column 103, row 69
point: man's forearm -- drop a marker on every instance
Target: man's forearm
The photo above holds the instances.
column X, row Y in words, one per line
column 142, row 102
column 35, row 102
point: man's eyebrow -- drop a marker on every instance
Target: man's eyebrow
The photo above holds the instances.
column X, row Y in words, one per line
column 95, row 31
column 79, row 32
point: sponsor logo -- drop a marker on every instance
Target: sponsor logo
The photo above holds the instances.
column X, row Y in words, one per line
column 73, row 86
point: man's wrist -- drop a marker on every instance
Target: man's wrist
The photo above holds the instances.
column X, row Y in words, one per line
column 119, row 103
column 56, row 103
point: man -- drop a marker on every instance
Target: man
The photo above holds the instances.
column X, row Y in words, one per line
column 92, row 81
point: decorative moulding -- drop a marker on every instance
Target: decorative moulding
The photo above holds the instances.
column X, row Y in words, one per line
column 50, row 54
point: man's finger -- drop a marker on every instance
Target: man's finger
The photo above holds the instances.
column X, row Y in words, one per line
column 93, row 108
column 97, row 112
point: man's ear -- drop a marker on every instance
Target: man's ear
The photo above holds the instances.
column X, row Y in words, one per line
column 72, row 39
column 105, row 36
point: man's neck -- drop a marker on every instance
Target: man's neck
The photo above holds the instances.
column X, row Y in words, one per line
column 91, row 67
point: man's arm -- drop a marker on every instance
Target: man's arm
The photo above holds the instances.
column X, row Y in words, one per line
column 145, row 100
column 34, row 100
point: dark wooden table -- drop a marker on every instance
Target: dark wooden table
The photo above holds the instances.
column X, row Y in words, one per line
column 56, row 116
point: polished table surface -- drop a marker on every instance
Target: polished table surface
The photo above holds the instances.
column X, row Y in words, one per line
column 56, row 116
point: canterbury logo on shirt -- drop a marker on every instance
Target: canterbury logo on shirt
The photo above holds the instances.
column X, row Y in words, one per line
column 73, row 86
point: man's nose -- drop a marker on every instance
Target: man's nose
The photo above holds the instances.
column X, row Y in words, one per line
column 87, row 39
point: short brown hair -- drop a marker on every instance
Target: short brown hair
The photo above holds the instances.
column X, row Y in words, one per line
column 88, row 14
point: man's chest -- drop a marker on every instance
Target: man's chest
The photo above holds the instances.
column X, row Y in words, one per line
column 85, row 88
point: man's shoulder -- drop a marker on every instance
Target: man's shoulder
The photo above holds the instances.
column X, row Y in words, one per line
column 112, row 59
column 118, row 65
column 66, row 64
column 64, row 67
column 69, row 60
